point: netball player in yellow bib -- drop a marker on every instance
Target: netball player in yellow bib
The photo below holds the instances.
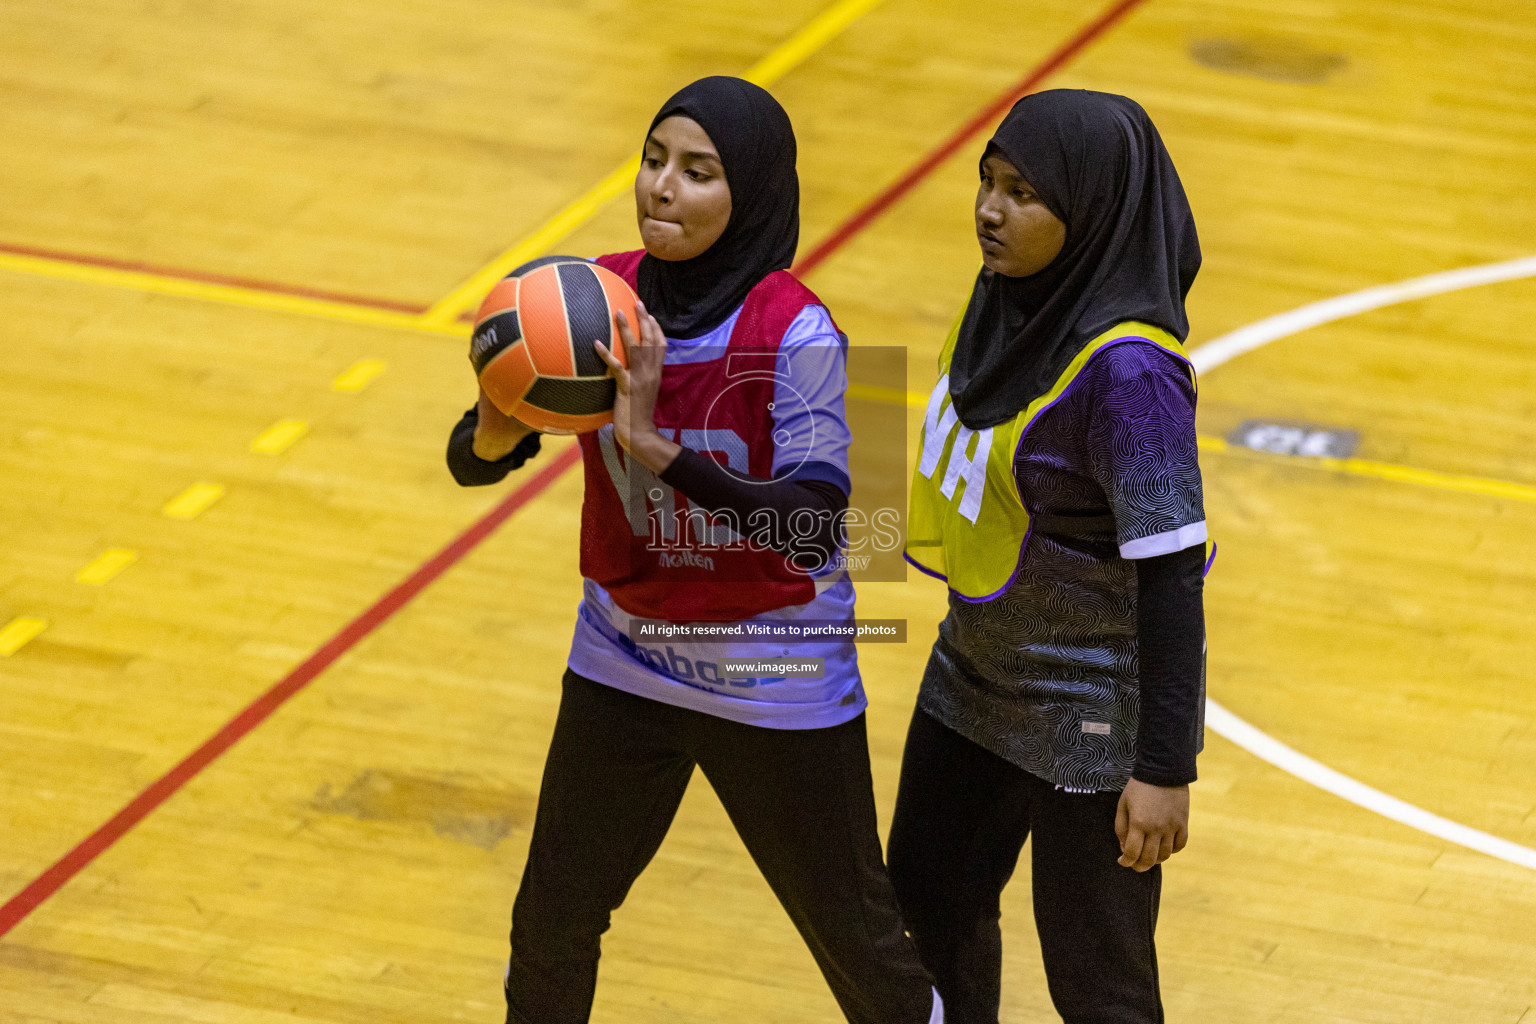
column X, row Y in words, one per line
column 1057, row 492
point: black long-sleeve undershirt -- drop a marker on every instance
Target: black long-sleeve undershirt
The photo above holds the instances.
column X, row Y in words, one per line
column 806, row 516
column 1170, row 637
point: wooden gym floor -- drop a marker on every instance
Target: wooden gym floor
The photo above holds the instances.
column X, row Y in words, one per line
column 235, row 241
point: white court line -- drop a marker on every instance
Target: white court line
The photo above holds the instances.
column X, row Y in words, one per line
column 1282, row 325
column 1260, row 744
column 1266, row 747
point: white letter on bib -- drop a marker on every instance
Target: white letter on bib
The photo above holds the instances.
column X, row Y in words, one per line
column 637, row 487
column 972, row 469
column 936, row 429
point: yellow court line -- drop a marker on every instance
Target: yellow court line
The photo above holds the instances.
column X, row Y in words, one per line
column 894, row 396
column 815, row 34
column 442, row 318
column 106, row 565
column 1480, row 485
column 447, row 309
column 15, row 634
column 161, row 284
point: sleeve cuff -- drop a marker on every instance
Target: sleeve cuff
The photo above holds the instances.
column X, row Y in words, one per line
column 1164, row 779
column 815, row 470
column 1165, row 543
column 521, row 452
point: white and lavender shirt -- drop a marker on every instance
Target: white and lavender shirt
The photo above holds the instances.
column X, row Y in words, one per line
column 811, row 442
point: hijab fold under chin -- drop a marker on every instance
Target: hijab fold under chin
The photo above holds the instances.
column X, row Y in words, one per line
column 756, row 144
column 1097, row 162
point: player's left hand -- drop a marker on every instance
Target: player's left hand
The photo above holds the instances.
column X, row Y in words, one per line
column 1152, row 824
column 634, row 403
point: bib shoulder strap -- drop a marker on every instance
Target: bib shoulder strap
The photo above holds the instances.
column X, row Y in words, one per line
column 768, row 310
column 948, row 351
column 1130, row 330
column 625, row 264
column 1135, row 331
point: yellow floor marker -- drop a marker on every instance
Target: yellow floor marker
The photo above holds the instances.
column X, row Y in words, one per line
column 106, row 565
column 359, row 375
column 279, row 437
column 193, row 501
column 16, row 633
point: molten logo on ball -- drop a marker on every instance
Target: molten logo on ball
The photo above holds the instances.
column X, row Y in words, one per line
column 532, row 346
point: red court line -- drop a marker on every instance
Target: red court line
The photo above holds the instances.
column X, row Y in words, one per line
column 259, row 710
column 206, row 277
column 928, row 164
column 72, row 863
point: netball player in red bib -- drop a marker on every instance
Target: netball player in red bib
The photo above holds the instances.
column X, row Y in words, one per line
column 728, row 428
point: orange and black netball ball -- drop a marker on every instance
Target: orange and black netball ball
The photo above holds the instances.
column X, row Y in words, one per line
column 532, row 346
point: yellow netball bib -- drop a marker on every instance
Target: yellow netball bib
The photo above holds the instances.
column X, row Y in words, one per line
column 967, row 522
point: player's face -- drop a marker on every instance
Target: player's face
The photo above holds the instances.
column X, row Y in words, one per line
column 1019, row 236
column 681, row 196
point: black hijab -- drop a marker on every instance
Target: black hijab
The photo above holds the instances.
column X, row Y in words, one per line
column 757, row 146
column 1097, row 163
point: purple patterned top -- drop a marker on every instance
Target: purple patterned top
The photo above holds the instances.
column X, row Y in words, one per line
column 1045, row 675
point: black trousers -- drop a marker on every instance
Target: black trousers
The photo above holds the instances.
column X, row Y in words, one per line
column 802, row 801
column 962, row 815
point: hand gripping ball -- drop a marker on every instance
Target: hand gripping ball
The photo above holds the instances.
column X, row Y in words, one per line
column 532, row 346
